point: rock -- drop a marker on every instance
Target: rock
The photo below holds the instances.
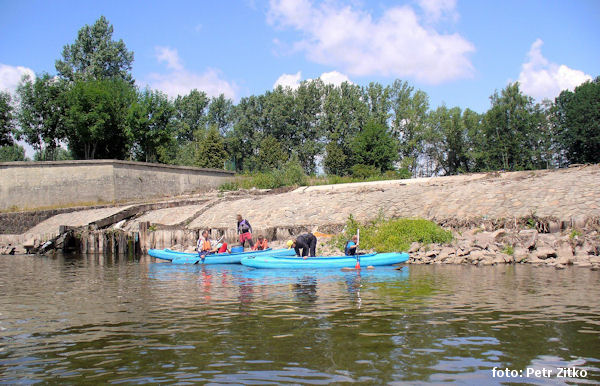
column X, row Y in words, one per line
column 595, row 267
column 581, row 259
column 499, row 235
column 371, row 267
column 582, row 264
column 19, row 250
column 445, row 253
column 559, row 266
column 414, row 247
column 545, row 253
column 529, row 238
column 431, row 253
column 520, row 254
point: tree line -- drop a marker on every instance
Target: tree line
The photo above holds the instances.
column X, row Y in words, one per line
column 93, row 107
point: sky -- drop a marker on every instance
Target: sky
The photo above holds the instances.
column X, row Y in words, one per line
column 458, row 51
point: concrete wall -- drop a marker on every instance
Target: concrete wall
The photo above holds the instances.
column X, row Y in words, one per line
column 29, row 185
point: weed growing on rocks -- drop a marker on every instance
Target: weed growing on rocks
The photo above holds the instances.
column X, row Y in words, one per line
column 393, row 235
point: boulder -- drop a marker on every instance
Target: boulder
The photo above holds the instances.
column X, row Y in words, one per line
column 545, row 253
column 520, row 254
column 528, row 238
column 414, row 247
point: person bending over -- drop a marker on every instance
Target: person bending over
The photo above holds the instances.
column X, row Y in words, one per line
column 351, row 246
column 306, row 242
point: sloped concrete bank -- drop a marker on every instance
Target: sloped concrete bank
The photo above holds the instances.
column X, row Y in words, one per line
column 561, row 207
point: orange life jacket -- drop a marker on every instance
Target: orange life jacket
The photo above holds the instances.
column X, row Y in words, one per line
column 205, row 246
column 260, row 245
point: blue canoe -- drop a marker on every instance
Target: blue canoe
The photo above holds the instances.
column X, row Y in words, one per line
column 374, row 259
column 217, row 258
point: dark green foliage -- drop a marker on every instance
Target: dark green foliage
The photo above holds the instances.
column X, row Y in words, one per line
column 97, row 118
column 577, row 115
column 94, row 55
column 363, row 172
column 375, row 146
column 7, row 118
column 512, row 129
column 11, row 153
column 150, row 120
column 190, row 114
column 270, row 154
column 211, row 150
column 42, row 113
column 394, row 235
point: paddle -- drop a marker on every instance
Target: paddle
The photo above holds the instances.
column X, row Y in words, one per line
column 356, row 250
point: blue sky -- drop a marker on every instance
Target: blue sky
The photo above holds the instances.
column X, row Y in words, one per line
column 458, row 52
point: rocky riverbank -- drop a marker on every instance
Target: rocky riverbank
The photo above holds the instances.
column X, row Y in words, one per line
column 538, row 217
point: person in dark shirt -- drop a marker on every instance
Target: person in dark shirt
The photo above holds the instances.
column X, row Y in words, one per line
column 306, row 242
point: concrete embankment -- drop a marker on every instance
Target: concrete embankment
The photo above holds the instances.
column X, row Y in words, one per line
column 561, row 205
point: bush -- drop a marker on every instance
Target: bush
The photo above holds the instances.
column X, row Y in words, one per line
column 364, row 171
column 394, row 235
column 229, row 186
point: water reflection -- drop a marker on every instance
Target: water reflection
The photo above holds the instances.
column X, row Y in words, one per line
column 110, row 320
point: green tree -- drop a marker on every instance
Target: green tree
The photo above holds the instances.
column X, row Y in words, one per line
column 248, row 129
column 377, row 98
column 59, row 154
column 512, row 129
column 94, row 55
column 7, row 119
column 375, row 146
column 12, row 152
column 304, row 127
column 447, row 141
column 344, row 113
column 409, row 121
column 151, row 124
column 97, row 124
column 577, row 117
column 270, row 154
column 190, row 114
column 220, row 113
column 41, row 113
column 211, row 150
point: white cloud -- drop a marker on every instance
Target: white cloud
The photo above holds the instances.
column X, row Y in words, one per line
column 289, row 80
column 10, row 76
column 396, row 44
column 541, row 78
column 170, row 56
column 180, row 81
column 436, row 10
column 335, row 78
column 293, row 80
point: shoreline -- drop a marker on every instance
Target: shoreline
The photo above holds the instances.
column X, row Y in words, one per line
column 549, row 217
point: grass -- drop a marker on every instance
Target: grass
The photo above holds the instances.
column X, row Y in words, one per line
column 294, row 176
column 574, row 233
column 509, row 250
column 393, row 235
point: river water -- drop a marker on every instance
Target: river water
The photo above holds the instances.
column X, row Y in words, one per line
column 90, row 319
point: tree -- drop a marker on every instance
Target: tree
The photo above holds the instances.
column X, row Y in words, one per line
column 409, row 121
column 94, row 55
column 41, row 113
column 211, row 150
column 190, row 114
column 344, row 113
column 12, row 152
column 7, row 124
column 151, row 124
column 577, row 117
column 446, row 140
column 270, row 154
column 219, row 113
column 512, row 131
column 97, row 124
column 375, row 146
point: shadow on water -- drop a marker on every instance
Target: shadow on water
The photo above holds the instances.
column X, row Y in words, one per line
column 109, row 320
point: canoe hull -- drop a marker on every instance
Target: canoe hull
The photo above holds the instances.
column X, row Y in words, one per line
column 218, row 258
column 375, row 259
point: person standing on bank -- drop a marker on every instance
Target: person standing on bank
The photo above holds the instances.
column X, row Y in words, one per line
column 244, row 229
column 307, row 242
